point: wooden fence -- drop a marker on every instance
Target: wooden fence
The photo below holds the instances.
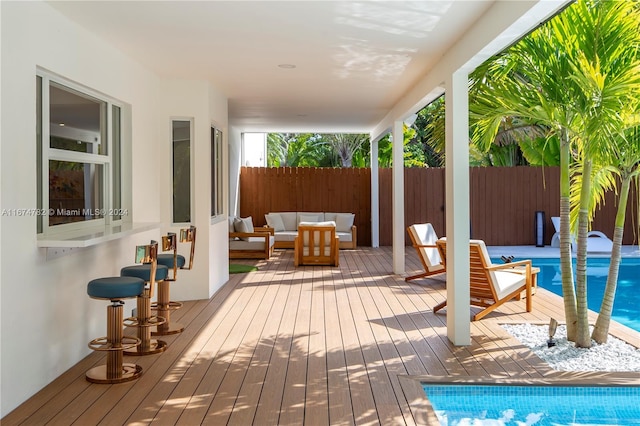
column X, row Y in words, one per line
column 307, row 189
column 503, row 200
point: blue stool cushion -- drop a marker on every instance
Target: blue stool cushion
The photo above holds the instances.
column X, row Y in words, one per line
column 113, row 288
column 144, row 272
column 166, row 259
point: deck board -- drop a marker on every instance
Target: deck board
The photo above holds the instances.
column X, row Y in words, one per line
column 309, row 345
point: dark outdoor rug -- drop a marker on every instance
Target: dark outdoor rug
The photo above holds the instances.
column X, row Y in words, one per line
column 235, row 268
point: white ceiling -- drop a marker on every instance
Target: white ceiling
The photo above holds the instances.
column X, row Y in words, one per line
column 354, row 59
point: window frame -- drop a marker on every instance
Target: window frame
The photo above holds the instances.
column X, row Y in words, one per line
column 217, row 173
column 191, row 122
column 45, row 154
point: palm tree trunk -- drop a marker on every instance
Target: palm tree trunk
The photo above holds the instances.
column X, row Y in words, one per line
column 601, row 329
column 583, row 340
column 566, row 267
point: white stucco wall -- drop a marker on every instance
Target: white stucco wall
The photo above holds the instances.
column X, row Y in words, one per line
column 196, row 100
column 235, row 155
column 219, row 228
column 47, row 319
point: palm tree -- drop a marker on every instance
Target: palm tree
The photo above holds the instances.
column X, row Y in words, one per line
column 346, row 145
column 573, row 76
column 296, row 150
column 607, row 67
column 626, row 164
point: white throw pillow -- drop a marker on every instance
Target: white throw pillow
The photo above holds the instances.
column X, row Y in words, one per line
column 274, row 220
column 344, row 222
column 243, row 224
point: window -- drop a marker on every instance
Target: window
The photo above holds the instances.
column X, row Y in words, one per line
column 78, row 159
column 181, row 144
column 254, row 146
column 216, row 173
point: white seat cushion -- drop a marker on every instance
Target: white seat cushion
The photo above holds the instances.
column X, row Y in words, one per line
column 344, row 236
column 286, row 235
column 327, row 223
column 253, row 243
column 507, row 282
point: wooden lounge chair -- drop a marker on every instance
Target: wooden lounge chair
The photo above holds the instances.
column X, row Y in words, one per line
column 492, row 285
column 423, row 237
column 316, row 244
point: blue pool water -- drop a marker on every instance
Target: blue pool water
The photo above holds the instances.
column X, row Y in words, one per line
column 626, row 308
column 492, row 405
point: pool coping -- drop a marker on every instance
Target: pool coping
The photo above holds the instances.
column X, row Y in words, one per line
column 529, row 252
column 424, row 414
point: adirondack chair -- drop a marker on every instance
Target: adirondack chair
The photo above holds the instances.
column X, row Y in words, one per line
column 424, row 237
column 491, row 285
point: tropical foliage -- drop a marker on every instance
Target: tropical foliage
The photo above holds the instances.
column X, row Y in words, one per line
column 573, row 83
column 338, row 150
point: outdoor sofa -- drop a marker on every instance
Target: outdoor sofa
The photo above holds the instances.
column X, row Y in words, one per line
column 285, row 226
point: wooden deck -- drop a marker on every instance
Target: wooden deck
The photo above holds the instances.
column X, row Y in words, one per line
column 291, row 346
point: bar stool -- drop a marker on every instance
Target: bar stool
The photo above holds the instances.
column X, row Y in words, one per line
column 172, row 261
column 114, row 289
column 150, row 272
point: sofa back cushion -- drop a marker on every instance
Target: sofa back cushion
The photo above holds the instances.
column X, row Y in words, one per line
column 344, row 221
column 274, row 220
column 310, row 217
column 289, row 219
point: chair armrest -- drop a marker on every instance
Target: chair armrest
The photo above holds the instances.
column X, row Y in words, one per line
column 509, row 265
column 425, row 246
column 266, row 228
column 264, row 235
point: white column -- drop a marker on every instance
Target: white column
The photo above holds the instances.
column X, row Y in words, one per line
column 398, row 197
column 457, row 207
column 375, row 195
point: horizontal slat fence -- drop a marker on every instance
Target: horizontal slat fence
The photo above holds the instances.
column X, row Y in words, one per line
column 503, row 200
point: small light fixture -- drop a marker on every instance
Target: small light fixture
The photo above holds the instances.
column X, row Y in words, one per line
column 553, row 325
column 61, row 124
column 286, row 66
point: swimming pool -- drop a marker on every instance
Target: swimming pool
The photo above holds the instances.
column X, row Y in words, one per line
column 626, row 308
column 489, row 405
